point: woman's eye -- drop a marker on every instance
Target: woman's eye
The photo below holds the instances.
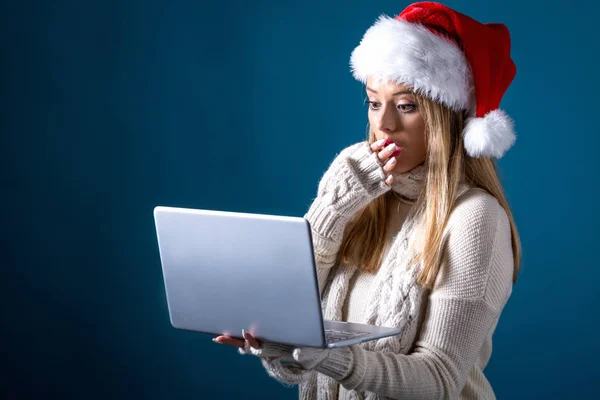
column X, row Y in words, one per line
column 406, row 108
column 374, row 105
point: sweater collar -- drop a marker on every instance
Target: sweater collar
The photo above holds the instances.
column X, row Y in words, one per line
column 408, row 184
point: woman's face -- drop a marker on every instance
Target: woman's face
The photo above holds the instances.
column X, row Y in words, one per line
column 393, row 115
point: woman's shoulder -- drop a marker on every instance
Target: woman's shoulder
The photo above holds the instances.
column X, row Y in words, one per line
column 478, row 252
column 476, row 207
column 478, row 220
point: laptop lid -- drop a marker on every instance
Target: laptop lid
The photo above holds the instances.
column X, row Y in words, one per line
column 228, row 271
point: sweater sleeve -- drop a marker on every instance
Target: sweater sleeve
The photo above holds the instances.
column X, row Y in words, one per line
column 354, row 178
column 471, row 289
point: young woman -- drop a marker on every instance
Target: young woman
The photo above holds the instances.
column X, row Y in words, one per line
column 411, row 227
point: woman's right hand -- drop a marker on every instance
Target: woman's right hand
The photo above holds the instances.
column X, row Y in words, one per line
column 386, row 151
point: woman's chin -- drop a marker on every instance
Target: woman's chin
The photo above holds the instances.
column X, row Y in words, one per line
column 404, row 167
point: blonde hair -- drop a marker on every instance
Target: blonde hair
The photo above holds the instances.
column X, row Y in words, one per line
column 447, row 164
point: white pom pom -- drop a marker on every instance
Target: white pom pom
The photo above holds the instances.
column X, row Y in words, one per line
column 490, row 136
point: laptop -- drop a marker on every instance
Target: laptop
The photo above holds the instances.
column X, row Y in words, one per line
column 227, row 271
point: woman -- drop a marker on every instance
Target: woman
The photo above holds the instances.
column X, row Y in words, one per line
column 411, row 228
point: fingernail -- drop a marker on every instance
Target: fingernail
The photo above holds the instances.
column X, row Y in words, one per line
column 392, row 161
column 215, row 340
column 380, row 142
column 391, row 147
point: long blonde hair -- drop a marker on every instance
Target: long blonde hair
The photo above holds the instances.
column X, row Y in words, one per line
column 447, row 164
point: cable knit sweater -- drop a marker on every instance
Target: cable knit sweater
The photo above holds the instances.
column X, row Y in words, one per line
column 446, row 339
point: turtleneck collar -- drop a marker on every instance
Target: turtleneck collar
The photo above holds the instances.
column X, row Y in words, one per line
column 408, row 184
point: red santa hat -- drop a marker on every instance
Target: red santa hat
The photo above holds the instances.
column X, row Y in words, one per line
column 450, row 58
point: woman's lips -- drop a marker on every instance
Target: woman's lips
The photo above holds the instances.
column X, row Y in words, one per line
column 397, row 151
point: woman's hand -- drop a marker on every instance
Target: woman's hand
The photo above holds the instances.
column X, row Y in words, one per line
column 251, row 345
column 386, row 152
column 307, row 358
column 239, row 343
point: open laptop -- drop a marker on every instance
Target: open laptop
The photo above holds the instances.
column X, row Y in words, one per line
column 228, row 271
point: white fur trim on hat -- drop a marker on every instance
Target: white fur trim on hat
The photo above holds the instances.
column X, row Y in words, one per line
column 410, row 54
column 489, row 136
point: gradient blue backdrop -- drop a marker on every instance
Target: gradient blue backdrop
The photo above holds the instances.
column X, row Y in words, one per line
column 110, row 108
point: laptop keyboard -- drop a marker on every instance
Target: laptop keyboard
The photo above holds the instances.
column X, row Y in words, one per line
column 332, row 335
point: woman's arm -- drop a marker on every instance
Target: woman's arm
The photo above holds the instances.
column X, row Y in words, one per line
column 354, row 178
column 474, row 284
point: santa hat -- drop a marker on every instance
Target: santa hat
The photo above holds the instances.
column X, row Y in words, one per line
column 450, row 58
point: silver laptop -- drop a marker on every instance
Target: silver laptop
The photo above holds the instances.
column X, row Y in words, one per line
column 227, row 271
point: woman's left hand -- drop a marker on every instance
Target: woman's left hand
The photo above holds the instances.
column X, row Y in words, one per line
column 239, row 343
column 251, row 345
column 306, row 357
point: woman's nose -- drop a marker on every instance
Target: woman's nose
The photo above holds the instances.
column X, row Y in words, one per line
column 388, row 120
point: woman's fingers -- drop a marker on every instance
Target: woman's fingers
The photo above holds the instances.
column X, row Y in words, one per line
column 390, row 150
column 229, row 341
column 390, row 165
column 386, row 153
column 252, row 341
column 378, row 145
column 389, row 180
column 385, row 149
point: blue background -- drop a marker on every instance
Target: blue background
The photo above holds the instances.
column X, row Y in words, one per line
column 110, row 108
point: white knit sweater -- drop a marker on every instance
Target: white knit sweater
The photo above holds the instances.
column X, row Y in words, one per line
column 447, row 339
